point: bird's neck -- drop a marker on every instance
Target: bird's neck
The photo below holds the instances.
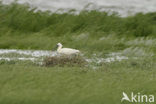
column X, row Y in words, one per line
column 59, row 48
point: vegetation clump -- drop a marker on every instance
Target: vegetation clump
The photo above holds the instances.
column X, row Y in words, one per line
column 64, row 61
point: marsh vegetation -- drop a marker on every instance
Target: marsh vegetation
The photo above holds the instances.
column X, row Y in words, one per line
column 118, row 55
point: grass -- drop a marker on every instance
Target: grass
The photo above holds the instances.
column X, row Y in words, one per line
column 22, row 28
column 96, row 34
column 63, row 85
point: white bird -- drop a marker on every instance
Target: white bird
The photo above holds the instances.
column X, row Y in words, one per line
column 66, row 51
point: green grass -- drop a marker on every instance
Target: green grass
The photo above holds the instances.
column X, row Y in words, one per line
column 29, row 84
column 92, row 32
column 22, row 28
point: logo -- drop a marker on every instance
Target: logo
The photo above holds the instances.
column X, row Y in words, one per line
column 137, row 98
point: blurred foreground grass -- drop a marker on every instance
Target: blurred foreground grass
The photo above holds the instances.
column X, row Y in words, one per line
column 31, row 84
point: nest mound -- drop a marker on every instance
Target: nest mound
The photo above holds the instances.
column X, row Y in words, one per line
column 64, row 61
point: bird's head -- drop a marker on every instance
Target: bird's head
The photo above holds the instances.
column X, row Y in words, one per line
column 57, row 46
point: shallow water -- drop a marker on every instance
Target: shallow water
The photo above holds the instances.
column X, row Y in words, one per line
column 123, row 7
column 108, row 59
column 37, row 55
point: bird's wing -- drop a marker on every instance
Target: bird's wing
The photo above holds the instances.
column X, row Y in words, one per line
column 69, row 49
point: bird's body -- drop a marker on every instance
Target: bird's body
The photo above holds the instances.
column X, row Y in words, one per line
column 66, row 51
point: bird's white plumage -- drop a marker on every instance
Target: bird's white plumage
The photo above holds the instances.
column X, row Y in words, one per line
column 66, row 51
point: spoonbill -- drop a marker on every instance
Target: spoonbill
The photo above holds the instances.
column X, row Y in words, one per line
column 66, row 51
